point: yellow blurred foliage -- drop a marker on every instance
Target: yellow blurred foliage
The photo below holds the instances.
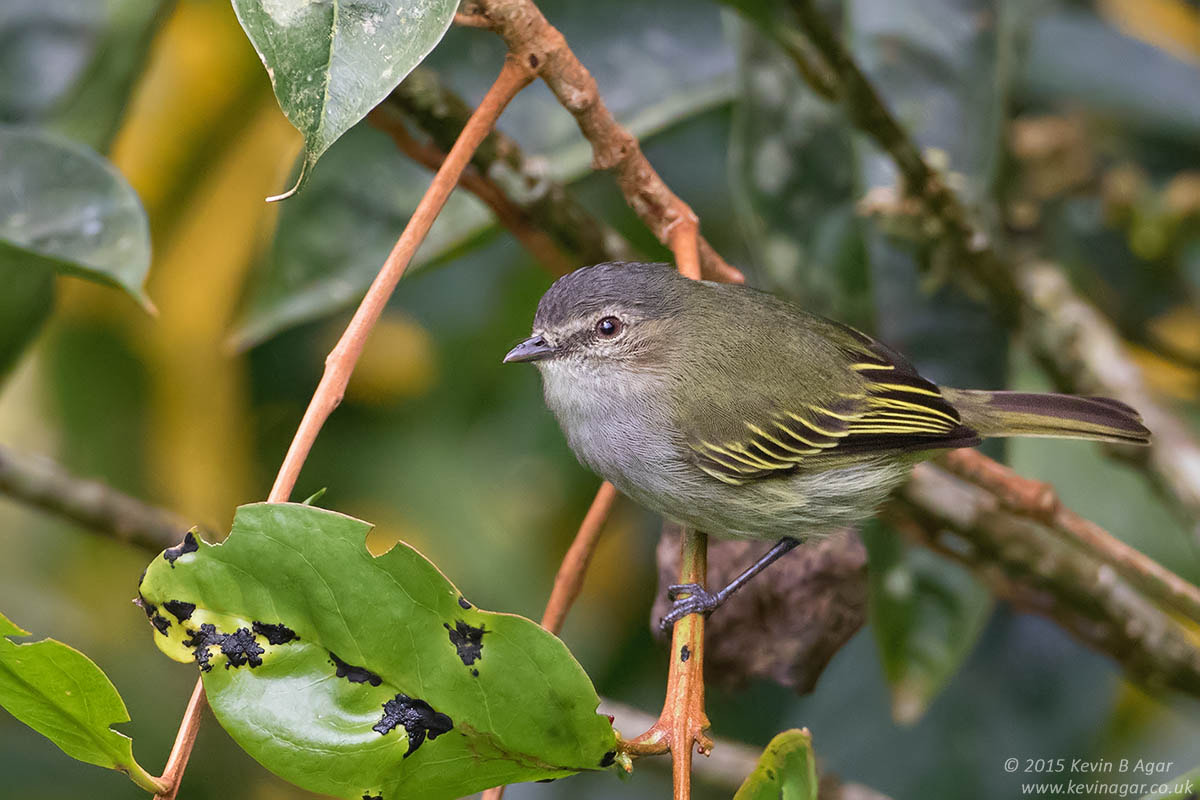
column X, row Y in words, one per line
column 1170, row 25
column 398, row 361
column 1179, row 330
column 203, row 143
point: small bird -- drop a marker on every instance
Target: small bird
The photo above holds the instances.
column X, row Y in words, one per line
column 740, row 414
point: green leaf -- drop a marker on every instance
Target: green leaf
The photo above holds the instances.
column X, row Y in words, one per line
column 63, row 695
column 66, row 209
column 926, row 614
column 71, row 64
column 311, row 650
column 25, row 305
column 331, row 63
column 786, row 770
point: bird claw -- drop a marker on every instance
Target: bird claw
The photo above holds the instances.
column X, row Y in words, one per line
column 698, row 601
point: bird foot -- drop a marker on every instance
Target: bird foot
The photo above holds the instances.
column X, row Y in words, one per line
column 697, row 600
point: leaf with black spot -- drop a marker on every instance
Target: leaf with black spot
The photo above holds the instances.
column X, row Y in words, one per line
column 398, row 625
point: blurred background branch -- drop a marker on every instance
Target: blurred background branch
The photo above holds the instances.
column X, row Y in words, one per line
column 40, row 482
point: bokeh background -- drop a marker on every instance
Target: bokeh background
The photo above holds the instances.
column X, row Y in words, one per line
column 1077, row 133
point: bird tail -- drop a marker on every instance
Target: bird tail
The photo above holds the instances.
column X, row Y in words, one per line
column 1056, row 415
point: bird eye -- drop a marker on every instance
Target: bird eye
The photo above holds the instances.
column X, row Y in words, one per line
column 608, row 327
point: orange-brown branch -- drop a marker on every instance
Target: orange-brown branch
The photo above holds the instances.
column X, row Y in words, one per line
column 339, row 364
column 535, row 41
column 569, row 579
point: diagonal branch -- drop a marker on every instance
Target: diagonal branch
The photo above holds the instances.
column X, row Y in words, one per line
column 1081, row 349
column 515, row 186
column 535, row 41
column 339, row 364
column 1031, row 556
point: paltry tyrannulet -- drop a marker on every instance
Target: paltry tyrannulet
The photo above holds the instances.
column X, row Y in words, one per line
column 733, row 411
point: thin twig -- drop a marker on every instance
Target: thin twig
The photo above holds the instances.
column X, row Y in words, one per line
column 569, row 579
column 339, row 364
column 532, row 199
column 535, row 41
column 40, row 482
column 683, row 722
column 533, row 238
column 185, row 740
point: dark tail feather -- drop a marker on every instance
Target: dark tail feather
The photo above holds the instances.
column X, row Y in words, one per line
column 1057, row 415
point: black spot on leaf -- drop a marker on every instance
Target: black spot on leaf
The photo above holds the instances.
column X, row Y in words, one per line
column 684, row 653
column 181, row 610
column 160, row 623
column 354, row 674
column 200, row 640
column 145, row 605
column 418, row 719
column 188, row 545
column 609, row 758
column 372, row 797
column 475, row 673
column 462, row 602
column 275, row 634
column 468, row 641
column 240, row 649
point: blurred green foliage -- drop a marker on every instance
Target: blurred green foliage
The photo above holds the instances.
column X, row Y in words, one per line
column 1072, row 127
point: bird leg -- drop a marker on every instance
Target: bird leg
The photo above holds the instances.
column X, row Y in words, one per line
column 696, row 599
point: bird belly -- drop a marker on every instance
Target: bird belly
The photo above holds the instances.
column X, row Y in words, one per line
column 619, row 437
column 801, row 505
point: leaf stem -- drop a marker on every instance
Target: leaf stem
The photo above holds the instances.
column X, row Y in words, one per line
column 339, row 364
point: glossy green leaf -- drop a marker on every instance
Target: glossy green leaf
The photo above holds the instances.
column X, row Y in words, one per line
column 330, row 63
column 71, row 64
column 63, row 695
column 787, row 770
column 66, row 209
column 926, row 614
column 352, row 675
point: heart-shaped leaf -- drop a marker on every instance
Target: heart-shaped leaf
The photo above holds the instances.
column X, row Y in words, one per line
column 331, row 63
column 787, row 770
column 354, row 675
column 63, row 695
column 66, row 209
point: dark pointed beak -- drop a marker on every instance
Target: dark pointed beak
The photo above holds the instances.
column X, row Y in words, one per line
column 534, row 348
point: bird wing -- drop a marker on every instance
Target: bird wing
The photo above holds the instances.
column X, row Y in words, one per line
column 865, row 399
